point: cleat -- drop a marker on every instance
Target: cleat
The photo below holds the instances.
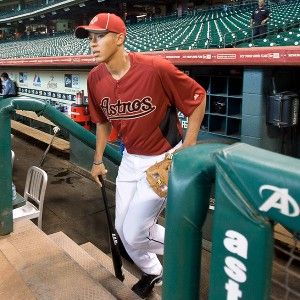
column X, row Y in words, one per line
column 145, row 285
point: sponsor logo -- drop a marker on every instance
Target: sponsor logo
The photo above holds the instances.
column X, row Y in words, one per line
column 207, row 56
column 226, row 56
column 23, row 77
column 279, row 199
column 183, row 120
column 37, row 80
column 51, row 83
column 114, row 237
column 127, row 110
column 235, row 269
column 68, row 80
column 71, row 81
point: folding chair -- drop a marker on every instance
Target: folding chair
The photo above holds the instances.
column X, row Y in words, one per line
column 35, row 187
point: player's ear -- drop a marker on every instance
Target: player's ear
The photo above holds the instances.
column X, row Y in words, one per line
column 120, row 39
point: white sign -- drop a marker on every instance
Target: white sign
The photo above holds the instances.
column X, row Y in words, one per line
column 235, row 269
column 281, row 200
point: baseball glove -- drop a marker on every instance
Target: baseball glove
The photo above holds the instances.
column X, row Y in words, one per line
column 158, row 175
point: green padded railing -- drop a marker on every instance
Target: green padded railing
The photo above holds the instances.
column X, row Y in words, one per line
column 253, row 186
column 191, row 178
column 7, row 107
column 254, row 189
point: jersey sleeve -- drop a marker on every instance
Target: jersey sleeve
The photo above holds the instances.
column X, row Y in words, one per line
column 183, row 92
column 97, row 116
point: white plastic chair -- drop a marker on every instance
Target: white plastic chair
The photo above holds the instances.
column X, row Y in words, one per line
column 35, row 187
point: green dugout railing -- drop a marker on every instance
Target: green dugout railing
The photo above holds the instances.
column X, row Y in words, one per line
column 7, row 107
column 254, row 189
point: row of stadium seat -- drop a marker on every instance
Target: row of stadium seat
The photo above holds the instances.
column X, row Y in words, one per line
column 199, row 30
column 211, row 29
column 291, row 37
column 65, row 45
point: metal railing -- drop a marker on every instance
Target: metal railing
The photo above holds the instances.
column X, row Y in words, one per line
column 250, row 37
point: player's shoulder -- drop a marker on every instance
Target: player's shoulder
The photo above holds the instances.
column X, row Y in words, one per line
column 97, row 70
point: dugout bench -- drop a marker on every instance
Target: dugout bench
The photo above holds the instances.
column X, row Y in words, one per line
column 29, row 130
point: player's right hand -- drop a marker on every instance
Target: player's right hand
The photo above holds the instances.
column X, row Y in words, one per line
column 98, row 170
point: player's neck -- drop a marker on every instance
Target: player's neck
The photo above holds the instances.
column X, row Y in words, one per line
column 119, row 65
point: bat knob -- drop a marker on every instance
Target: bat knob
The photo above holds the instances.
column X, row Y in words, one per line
column 56, row 129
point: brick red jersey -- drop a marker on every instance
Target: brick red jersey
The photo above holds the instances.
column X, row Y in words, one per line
column 143, row 104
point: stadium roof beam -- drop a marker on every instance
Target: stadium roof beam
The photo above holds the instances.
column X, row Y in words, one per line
column 48, row 9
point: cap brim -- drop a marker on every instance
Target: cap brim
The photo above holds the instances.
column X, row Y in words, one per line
column 82, row 32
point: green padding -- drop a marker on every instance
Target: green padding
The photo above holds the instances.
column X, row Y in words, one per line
column 7, row 107
column 6, row 222
column 252, row 186
column 191, row 177
column 269, row 181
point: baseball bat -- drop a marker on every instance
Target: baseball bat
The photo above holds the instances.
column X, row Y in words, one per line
column 113, row 240
column 56, row 129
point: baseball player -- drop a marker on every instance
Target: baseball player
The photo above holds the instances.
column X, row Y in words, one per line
column 139, row 95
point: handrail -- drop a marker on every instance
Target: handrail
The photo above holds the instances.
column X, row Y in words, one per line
column 191, row 178
column 7, row 107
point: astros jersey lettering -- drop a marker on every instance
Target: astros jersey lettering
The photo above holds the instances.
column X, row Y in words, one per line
column 147, row 122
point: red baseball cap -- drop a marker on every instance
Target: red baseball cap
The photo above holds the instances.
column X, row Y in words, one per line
column 102, row 22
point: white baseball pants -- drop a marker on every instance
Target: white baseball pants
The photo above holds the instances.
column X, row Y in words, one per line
column 137, row 211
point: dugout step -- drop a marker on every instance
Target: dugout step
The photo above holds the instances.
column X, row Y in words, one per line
column 12, row 284
column 93, row 267
column 44, row 270
column 129, row 269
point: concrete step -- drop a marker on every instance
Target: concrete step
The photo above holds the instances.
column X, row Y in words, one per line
column 12, row 285
column 46, row 269
column 106, row 261
column 94, row 268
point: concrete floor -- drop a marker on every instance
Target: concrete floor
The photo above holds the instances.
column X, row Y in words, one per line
column 73, row 203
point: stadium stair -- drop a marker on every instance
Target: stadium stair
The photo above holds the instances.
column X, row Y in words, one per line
column 36, row 266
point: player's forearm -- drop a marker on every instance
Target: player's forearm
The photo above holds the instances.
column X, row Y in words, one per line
column 264, row 21
column 102, row 133
column 195, row 121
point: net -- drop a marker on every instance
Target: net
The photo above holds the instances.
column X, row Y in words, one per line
column 286, row 265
